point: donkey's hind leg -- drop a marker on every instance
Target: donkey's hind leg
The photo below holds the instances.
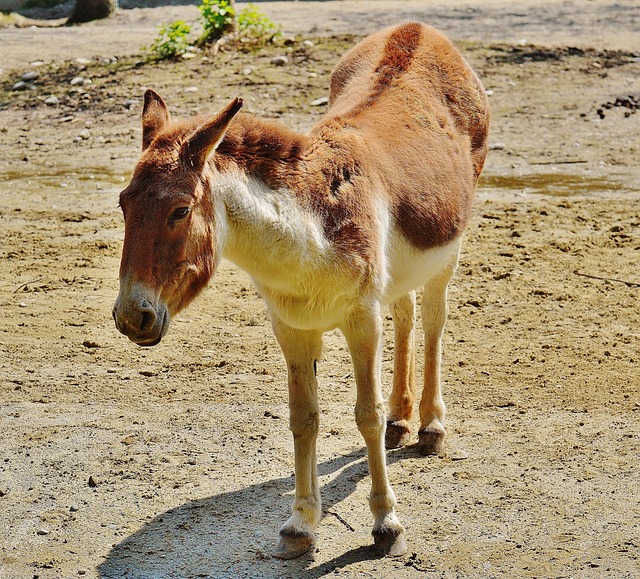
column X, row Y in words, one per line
column 403, row 394
column 434, row 315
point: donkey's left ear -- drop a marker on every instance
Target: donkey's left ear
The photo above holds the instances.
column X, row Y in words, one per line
column 203, row 141
column 155, row 115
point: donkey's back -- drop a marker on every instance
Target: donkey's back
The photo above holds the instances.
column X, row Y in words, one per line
column 414, row 73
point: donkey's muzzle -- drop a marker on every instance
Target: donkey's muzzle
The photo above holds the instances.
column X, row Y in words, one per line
column 139, row 319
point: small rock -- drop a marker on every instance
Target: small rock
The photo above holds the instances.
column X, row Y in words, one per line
column 191, row 89
column 148, row 373
column 92, row 482
column 77, row 80
column 84, row 134
column 279, row 60
column 82, row 571
column 289, row 40
column 130, row 103
column 459, row 455
column 77, row 140
column 87, row 82
column 489, row 92
column 247, row 71
column 37, row 63
column 67, row 119
column 188, row 56
column 74, row 508
column 20, row 85
column 30, row 76
column 90, row 344
column 83, row 61
column 496, row 146
column 42, row 532
column 308, row 43
column 112, row 370
column 319, row 102
column 52, row 101
column 22, row 305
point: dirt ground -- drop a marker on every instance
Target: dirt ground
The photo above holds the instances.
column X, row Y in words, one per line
column 176, row 461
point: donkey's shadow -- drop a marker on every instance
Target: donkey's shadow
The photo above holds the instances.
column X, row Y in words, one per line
column 233, row 534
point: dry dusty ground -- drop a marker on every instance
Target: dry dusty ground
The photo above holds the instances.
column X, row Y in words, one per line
column 177, row 461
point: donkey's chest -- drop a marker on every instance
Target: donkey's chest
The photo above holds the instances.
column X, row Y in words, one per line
column 320, row 300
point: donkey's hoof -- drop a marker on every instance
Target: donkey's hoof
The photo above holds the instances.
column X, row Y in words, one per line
column 390, row 542
column 397, row 435
column 293, row 544
column 431, row 441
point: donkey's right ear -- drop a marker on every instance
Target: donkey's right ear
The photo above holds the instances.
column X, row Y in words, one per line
column 155, row 115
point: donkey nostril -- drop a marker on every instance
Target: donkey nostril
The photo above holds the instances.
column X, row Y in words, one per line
column 148, row 319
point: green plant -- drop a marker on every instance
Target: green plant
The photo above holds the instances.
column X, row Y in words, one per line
column 172, row 41
column 218, row 19
column 255, row 25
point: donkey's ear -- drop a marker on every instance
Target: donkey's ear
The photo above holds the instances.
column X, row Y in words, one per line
column 202, row 142
column 155, row 115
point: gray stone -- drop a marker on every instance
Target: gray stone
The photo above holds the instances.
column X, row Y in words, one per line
column 30, row 76
column 20, row 85
column 320, row 102
column 52, row 101
column 77, row 81
column 279, row 60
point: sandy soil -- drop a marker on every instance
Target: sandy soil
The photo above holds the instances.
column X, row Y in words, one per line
column 177, row 461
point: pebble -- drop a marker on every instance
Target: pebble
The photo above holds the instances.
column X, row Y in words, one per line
column 82, row 571
column 308, row 43
column 52, row 101
column 74, row 508
column 77, row 81
column 191, row 89
column 37, row 63
column 489, row 92
column 188, row 56
column 30, row 76
column 112, row 370
column 42, row 532
column 279, row 60
column 83, row 61
column 319, row 102
column 130, row 103
column 20, row 85
column 459, row 455
column 22, row 305
column 247, row 71
column 496, row 146
column 84, row 134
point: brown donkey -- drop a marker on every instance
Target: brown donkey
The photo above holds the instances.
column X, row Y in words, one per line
column 331, row 226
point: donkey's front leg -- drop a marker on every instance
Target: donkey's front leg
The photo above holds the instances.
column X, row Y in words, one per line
column 301, row 350
column 363, row 332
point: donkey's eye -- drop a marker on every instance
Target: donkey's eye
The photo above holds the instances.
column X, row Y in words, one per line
column 180, row 213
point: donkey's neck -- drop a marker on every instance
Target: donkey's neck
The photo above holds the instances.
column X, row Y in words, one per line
column 267, row 151
column 270, row 231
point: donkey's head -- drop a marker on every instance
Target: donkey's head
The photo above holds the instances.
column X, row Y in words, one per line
column 170, row 240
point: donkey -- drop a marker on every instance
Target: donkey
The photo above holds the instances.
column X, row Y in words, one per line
column 331, row 226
